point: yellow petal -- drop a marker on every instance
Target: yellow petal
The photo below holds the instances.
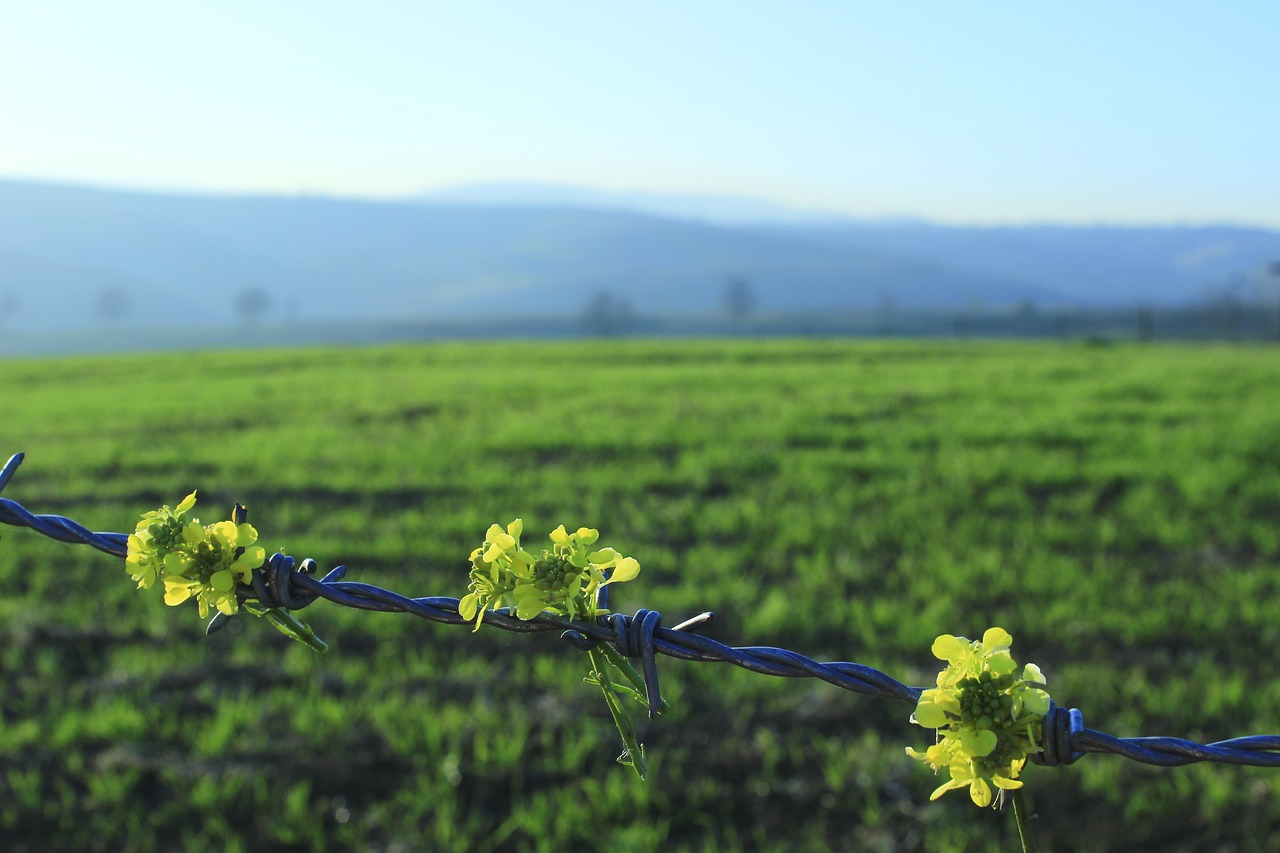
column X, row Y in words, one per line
column 947, row 700
column 949, row 785
column 930, row 716
column 175, row 595
column 994, row 639
column 253, row 556
column 226, row 532
column 246, row 535
column 604, row 557
column 1001, row 663
column 978, row 742
column 950, row 648
column 980, row 792
column 529, row 608
column 626, row 569
column 1036, row 701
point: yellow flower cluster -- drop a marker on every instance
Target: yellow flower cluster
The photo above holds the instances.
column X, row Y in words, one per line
column 562, row 579
column 201, row 561
column 988, row 717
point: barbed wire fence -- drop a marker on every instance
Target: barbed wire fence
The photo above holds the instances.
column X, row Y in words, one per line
column 283, row 582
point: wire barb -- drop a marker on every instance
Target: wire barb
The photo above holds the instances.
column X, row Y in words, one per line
column 10, row 468
column 1060, row 726
column 634, row 638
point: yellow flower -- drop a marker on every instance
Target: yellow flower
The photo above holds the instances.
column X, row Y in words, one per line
column 158, row 533
column 205, row 561
column 496, row 567
column 988, row 719
column 563, row 579
column 212, row 561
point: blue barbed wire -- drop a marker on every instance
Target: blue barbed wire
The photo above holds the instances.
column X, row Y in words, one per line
column 284, row 582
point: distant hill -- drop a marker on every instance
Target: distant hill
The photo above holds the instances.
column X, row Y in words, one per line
column 78, row 257
column 1090, row 266
column 712, row 209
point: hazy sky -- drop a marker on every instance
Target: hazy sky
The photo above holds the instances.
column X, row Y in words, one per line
column 960, row 112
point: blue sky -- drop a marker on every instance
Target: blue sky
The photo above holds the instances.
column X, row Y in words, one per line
column 1161, row 112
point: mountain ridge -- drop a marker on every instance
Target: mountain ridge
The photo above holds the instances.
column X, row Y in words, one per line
column 74, row 256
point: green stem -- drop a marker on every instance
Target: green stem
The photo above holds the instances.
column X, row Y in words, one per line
column 634, row 753
column 288, row 624
column 1021, row 817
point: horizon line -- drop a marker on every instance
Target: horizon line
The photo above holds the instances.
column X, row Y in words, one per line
column 788, row 214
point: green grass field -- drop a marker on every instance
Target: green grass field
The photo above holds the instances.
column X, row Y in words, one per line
column 1117, row 508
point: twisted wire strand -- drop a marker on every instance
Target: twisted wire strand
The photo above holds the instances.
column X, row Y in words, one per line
column 55, row 526
column 283, row 582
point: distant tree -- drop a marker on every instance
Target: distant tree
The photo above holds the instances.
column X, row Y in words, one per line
column 1146, row 322
column 1266, row 288
column 1062, row 323
column 885, row 315
column 966, row 318
column 1226, row 308
column 1273, row 270
column 251, row 304
column 739, row 299
column 1026, row 318
column 606, row 315
column 112, row 304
